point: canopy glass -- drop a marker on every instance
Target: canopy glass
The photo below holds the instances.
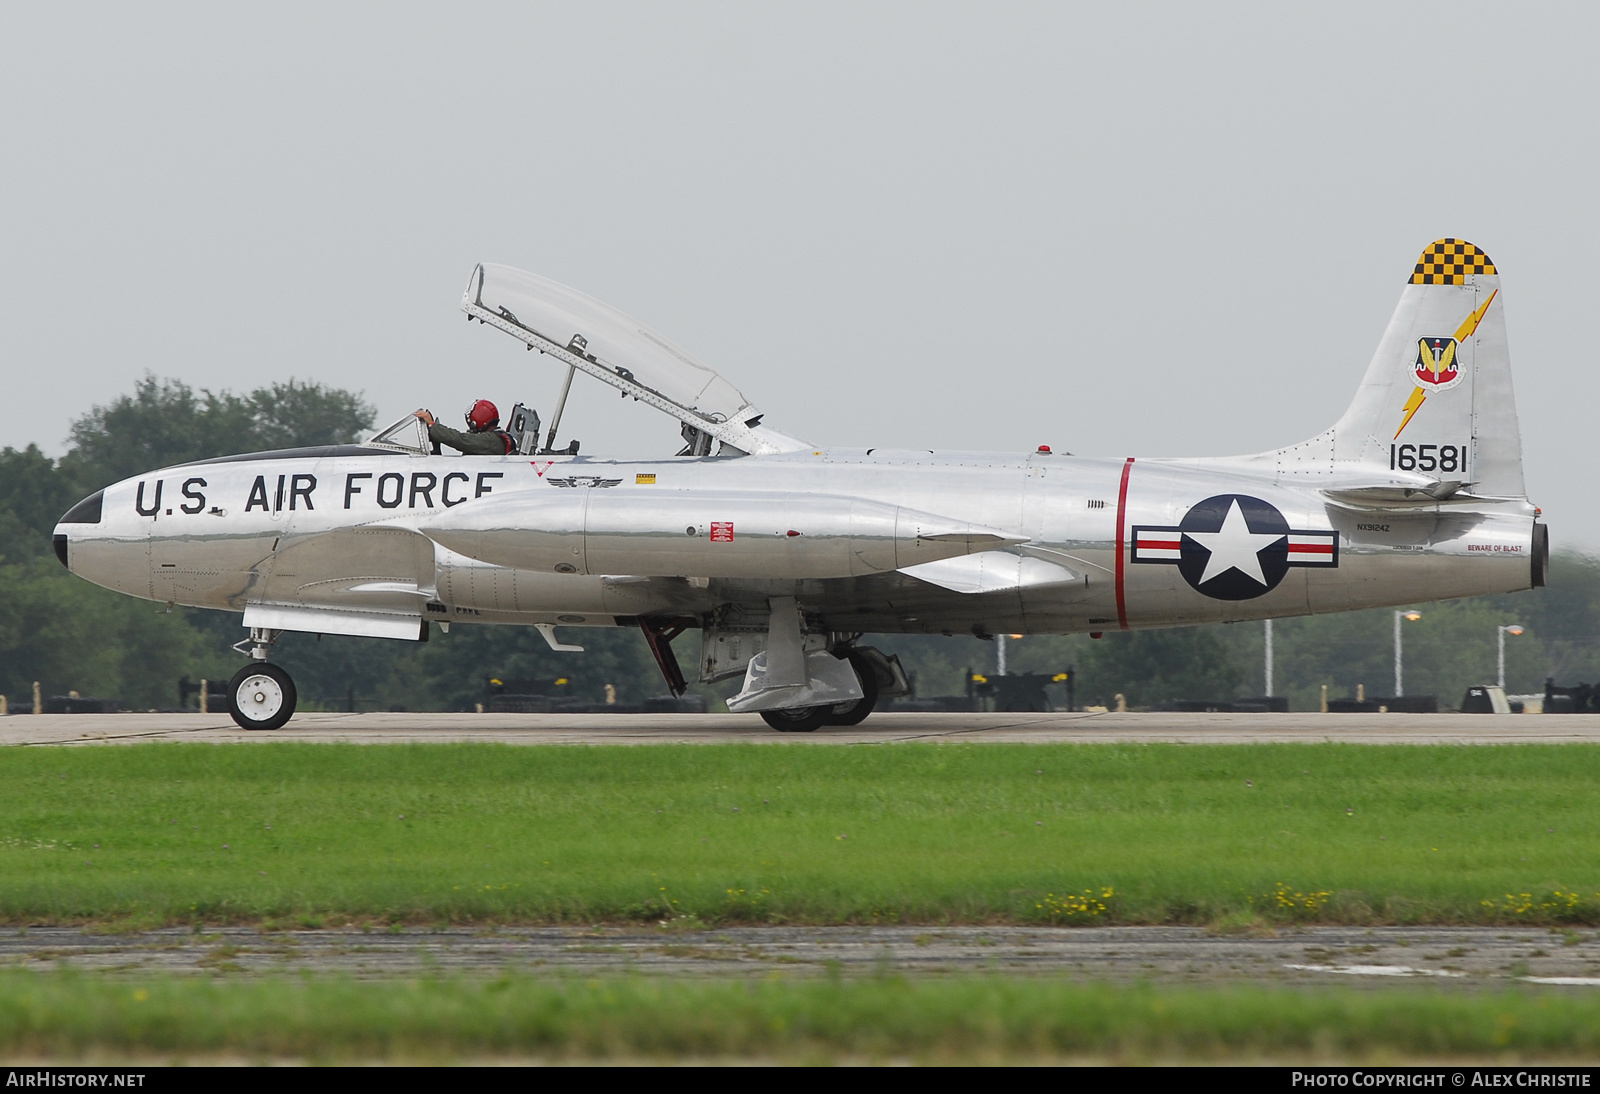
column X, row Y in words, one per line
column 605, row 336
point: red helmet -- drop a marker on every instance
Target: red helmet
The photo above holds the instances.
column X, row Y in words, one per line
column 483, row 415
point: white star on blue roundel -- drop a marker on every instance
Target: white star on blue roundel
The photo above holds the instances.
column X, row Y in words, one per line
column 1234, row 547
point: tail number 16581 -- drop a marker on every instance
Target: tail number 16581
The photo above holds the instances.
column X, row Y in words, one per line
column 1428, row 457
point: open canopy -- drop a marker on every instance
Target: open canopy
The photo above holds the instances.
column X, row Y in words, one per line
column 601, row 341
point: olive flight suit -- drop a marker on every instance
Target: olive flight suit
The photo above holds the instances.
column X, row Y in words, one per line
column 491, row 442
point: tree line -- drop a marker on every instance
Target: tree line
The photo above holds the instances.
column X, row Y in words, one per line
column 73, row 636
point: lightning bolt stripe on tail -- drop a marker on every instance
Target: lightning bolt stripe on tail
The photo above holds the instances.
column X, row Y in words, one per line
column 1412, row 405
column 1470, row 323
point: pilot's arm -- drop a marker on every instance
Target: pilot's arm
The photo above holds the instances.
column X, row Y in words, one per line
column 488, row 443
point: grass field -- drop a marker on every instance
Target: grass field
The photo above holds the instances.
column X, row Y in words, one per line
column 307, row 834
column 69, row 1016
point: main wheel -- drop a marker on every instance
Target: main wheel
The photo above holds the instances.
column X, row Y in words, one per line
column 854, row 713
column 796, row 720
column 261, row 696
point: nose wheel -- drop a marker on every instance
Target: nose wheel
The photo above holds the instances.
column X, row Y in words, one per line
column 261, row 696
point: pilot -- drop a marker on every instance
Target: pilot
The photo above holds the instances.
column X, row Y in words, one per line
column 483, row 437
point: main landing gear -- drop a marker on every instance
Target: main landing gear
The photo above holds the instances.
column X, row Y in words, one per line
column 807, row 719
column 261, row 696
column 729, row 651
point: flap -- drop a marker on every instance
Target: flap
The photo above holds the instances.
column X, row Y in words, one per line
column 363, row 624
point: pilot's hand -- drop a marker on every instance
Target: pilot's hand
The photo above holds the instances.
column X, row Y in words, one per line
column 426, row 416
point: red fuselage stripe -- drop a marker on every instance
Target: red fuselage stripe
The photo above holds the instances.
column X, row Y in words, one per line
column 1122, row 553
column 1311, row 548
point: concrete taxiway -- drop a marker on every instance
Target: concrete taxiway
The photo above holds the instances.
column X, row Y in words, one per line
column 882, row 728
column 1443, row 956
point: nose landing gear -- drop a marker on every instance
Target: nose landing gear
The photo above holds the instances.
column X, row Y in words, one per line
column 261, row 696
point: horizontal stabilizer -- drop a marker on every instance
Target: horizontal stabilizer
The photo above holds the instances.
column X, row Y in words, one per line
column 992, row 572
column 1396, row 495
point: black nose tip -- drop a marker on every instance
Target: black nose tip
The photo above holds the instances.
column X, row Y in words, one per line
column 61, row 549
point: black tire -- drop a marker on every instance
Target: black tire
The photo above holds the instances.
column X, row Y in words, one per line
column 853, row 714
column 261, row 696
column 797, row 720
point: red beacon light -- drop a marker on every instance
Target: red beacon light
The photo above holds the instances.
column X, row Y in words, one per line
column 1044, row 450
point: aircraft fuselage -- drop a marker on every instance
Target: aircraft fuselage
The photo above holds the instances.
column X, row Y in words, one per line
column 1097, row 544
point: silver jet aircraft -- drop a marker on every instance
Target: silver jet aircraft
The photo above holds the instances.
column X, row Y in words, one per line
column 783, row 554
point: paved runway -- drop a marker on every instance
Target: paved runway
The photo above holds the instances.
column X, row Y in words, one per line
column 884, row 728
column 1463, row 957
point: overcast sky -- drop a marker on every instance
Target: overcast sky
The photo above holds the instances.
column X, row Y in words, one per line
column 1117, row 229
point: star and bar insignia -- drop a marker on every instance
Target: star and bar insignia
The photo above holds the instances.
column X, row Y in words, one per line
column 1234, row 547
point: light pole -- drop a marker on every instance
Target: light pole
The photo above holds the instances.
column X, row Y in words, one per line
column 1000, row 652
column 1500, row 673
column 1267, row 641
column 1413, row 615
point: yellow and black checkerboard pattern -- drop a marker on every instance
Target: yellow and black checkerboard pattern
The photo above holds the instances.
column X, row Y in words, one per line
column 1448, row 262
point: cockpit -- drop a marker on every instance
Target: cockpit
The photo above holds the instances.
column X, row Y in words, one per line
column 410, row 435
column 595, row 339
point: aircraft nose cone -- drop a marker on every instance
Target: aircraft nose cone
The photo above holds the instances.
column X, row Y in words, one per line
column 61, row 548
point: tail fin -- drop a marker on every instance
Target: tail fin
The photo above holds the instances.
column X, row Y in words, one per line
column 1436, row 398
